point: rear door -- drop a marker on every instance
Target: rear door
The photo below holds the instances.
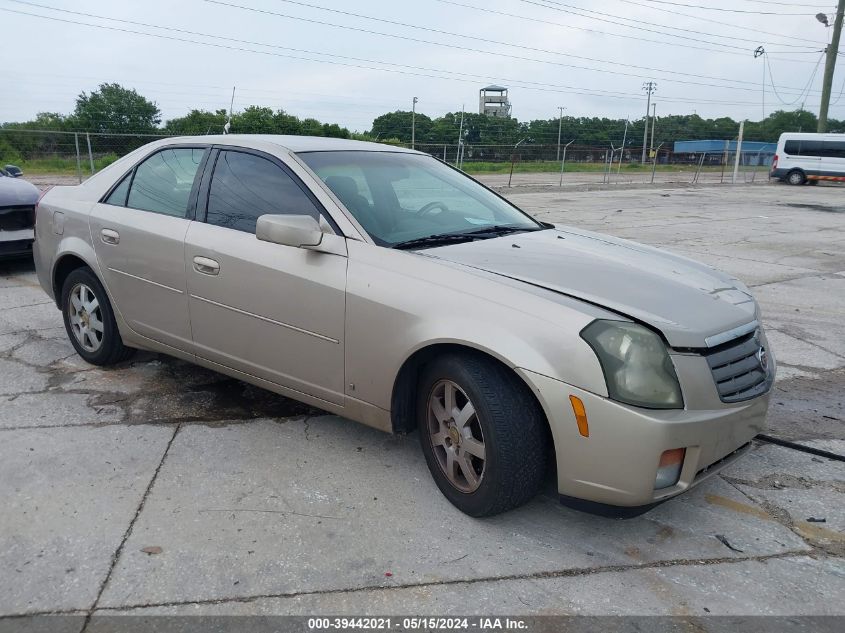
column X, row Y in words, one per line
column 138, row 232
column 272, row 311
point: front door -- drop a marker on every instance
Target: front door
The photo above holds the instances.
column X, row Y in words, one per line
column 272, row 311
column 138, row 233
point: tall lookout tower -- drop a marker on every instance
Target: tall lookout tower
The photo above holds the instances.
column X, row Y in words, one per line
column 493, row 101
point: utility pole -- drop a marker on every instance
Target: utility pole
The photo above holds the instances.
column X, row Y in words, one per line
column 559, row 129
column 649, row 87
column 761, row 52
column 460, row 138
column 622, row 150
column 414, row 123
column 830, row 63
column 653, row 125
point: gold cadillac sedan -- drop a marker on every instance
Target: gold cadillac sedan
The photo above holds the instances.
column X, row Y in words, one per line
column 383, row 285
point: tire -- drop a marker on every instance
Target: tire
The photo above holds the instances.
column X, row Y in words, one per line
column 89, row 319
column 507, row 422
column 796, row 177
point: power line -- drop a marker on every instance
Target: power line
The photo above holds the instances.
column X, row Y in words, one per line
column 583, row 91
column 711, row 21
column 464, row 48
column 706, row 8
column 528, row 85
column 806, row 88
column 608, row 17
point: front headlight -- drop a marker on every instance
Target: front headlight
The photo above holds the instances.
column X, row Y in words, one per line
column 636, row 364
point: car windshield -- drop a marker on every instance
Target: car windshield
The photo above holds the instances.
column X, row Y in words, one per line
column 407, row 199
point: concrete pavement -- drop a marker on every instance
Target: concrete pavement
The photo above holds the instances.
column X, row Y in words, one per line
column 157, row 487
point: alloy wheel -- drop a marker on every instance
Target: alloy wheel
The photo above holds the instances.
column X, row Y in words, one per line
column 86, row 318
column 456, row 436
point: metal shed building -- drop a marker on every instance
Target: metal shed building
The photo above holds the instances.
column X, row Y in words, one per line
column 753, row 152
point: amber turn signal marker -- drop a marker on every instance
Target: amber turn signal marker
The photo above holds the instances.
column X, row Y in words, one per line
column 580, row 415
column 675, row 456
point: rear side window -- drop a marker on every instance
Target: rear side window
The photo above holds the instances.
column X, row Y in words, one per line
column 163, row 182
column 834, row 149
column 245, row 187
column 118, row 195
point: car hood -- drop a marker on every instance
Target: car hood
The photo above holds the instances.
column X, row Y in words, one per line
column 685, row 300
column 15, row 192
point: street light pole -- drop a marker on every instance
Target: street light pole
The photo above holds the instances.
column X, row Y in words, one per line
column 414, row 123
column 649, row 87
column 830, row 63
column 559, row 129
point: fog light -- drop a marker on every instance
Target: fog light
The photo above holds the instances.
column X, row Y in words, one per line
column 669, row 469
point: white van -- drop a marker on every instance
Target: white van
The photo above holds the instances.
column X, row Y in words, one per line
column 808, row 158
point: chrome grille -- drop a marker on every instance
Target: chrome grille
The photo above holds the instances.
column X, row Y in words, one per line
column 737, row 370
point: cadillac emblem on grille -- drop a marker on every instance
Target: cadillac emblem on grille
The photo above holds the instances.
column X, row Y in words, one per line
column 763, row 359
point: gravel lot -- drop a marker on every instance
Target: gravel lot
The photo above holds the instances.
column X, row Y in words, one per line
column 161, row 488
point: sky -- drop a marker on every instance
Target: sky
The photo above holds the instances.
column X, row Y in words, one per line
column 348, row 62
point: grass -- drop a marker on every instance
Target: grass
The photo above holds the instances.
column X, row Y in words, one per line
column 530, row 167
column 61, row 165
column 64, row 165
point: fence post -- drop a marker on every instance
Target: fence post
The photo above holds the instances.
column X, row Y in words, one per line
column 738, row 151
column 698, row 171
column 654, row 164
column 78, row 160
column 724, row 161
column 90, row 155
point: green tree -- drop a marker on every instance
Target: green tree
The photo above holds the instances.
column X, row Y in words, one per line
column 253, row 120
column 115, row 109
column 197, row 122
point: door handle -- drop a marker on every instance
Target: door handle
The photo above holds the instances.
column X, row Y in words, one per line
column 109, row 236
column 206, row 266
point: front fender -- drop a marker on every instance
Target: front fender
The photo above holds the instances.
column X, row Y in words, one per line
column 399, row 304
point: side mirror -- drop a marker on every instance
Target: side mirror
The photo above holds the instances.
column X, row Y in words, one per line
column 299, row 231
column 13, row 171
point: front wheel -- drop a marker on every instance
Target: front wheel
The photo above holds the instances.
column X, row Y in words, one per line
column 483, row 435
column 796, row 177
column 89, row 319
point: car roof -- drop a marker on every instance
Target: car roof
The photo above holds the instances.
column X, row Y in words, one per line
column 292, row 143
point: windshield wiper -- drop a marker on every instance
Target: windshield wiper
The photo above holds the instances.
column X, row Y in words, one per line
column 501, row 229
column 435, row 240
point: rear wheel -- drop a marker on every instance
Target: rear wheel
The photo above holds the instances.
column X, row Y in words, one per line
column 482, row 433
column 89, row 319
column 796, row 177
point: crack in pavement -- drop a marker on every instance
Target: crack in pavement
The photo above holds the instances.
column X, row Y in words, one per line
column 544, row 575
column 116, row 556
column 813, row 536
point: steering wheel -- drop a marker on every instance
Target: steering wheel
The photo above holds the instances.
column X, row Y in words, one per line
column 428, row 208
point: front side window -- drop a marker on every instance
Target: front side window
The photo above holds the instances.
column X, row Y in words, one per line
column 245, row 187
column 400, row 197
column 163, row 182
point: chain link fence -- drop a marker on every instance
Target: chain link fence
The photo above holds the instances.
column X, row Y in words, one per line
column 57, row 157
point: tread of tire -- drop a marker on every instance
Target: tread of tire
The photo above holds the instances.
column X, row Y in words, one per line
column 522, row 448
column 118, row 352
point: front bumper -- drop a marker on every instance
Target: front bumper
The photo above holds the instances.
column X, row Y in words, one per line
column 16, row 243
column 617, row 464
